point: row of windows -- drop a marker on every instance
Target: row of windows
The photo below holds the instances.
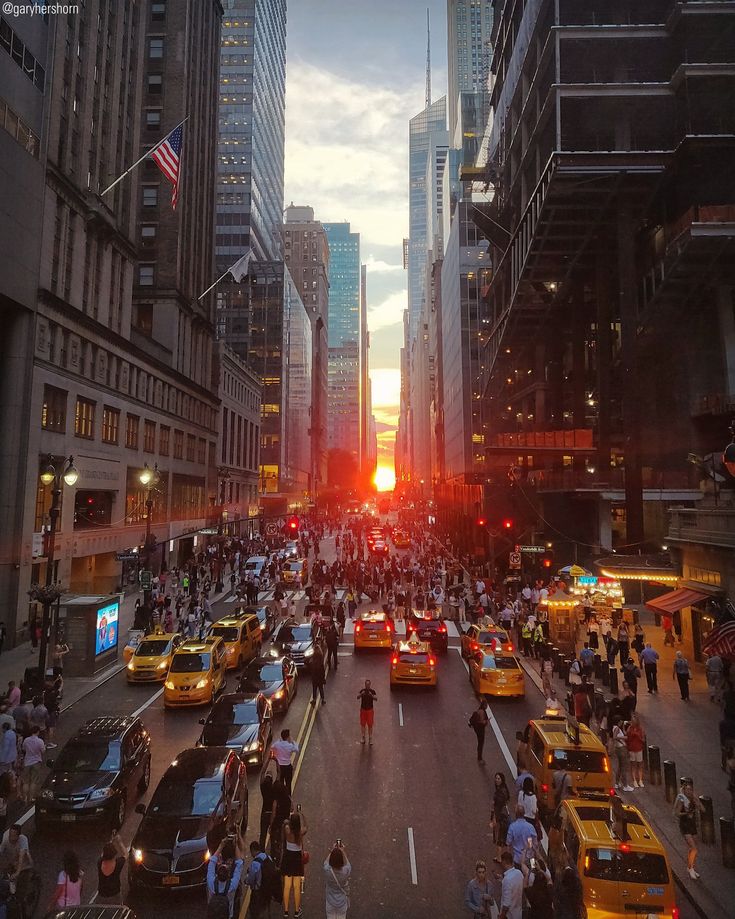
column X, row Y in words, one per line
column 13, row 44
column 53, row 418
column 18, row 129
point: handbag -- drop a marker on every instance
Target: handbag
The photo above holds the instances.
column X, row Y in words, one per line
column 304, row 857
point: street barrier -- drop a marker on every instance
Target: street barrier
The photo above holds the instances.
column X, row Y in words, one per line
column 614, row 680
column 597, row 666
column 605, row 673
column 670, row 782
column 707, row 821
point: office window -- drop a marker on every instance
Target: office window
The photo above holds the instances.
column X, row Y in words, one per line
column 178, row 444
column 53, row 411
column 149, row 437
column 148, row 233
column 202, row 451
column 110, row 425
column 145, row 275
column 155, row 84
column 164, row 440
column 155, row 48
column 84, row 418
column 158, row 11
column 132, row 428
column 190, row 447
column 153, row 118
column 150, row 195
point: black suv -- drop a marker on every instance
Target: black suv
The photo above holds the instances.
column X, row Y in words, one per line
column 202, row 797
column 429, row 627
column 298, row 641
column 107, row 762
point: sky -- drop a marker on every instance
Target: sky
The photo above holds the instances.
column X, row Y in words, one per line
column 356, row 74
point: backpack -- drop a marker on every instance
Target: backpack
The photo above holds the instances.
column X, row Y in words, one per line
column 271, row 883
column 219, row 905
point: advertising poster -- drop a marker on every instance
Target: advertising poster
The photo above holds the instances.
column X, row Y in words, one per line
column 106, row 637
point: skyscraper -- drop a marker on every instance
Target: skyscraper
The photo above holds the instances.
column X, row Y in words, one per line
column 344, row 338
column 469, row 28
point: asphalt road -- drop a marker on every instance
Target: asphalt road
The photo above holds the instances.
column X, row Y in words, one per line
column 412, row 810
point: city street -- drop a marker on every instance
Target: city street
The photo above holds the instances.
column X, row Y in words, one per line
column 412, row 810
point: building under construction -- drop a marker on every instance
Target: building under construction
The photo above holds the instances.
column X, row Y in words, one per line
column 609, row 338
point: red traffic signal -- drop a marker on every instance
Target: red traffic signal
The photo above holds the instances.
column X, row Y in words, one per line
column 547, row 563
column 293, row 525
column 507, row 524
column 481, row 521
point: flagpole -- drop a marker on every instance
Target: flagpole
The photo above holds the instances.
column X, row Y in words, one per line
column 146, row 154
column 211, row 286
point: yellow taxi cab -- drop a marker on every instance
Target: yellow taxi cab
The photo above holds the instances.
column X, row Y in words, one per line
column 401, row 540
column 295, row 572
column 152, row 658
column 621, row 864
column 496, row 675
column 373, row 630
column 242, row 637
column 197, row 673
column 562, row 744
column 135, row 636
column 413, row 663
column 485, row 635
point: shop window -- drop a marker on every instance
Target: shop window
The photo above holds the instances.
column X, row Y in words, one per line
column 53, row 412
column 92, row 509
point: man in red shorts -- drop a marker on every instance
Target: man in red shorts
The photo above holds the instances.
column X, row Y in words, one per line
column 367, row 697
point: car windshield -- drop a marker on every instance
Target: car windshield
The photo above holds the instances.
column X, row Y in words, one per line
column 102, row 756
column 425, row 624
column 373, row 625
column 234, row 713
column 151, row 648
column 292, row 566
column 490, row 638
column 190, row 663
column 419, row 657
column 630, row 867
column 578, row 760
column 266, row 674
column 226, row 632
column 183, row 798
column 295, row 633
column 506, row 663
column 253, row 566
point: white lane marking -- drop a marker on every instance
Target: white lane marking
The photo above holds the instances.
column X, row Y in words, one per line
column 345, row 654
column 412, row 857
column 464, row 662
column 400, row 713
column 145, row 705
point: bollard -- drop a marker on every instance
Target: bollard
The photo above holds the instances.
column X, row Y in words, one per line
column 671, row 785
column 597, row 666
column 556, row 655
column 654, row 765
column 706, row 821
column 645, row 756
column 599, row 703
column 614, row 680
column 564, row 671
column 567, row 667
column 727, row 840
column 570, row 703
column 605, row 673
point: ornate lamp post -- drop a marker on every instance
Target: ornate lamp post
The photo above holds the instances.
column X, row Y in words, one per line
column 223, row 475
column 50, row 592
column 149, row 479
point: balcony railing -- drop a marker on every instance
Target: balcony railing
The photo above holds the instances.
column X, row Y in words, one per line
column 713, row 526
column 573, row 439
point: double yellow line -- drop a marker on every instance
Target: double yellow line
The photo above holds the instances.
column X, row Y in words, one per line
column 304, row 734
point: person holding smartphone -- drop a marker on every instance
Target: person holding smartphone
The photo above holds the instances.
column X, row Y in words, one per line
column 337, row 871
column 478, row 896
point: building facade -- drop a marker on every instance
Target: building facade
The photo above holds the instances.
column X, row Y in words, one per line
column 25, row 85
column 344, row 339
column 306, row 252
column 469, row 31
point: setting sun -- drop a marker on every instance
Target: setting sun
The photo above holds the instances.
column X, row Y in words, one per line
column 385, row 478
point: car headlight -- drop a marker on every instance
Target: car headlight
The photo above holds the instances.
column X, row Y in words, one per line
column 203, row 683
column 131, row 666
column 169, row 684
column 100, row 793
column 162, row 665
column 137, row 855
column 47, row 795
column 252, row 747
column 309, row 652
column 278, row 695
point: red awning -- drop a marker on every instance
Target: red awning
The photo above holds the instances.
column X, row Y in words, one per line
column 675, row 600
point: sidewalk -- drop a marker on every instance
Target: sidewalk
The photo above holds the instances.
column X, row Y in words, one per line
column 687, row 733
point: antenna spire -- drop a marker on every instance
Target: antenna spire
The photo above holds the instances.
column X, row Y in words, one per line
column 428, row 58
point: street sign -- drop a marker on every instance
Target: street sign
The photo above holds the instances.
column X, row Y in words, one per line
column 126, row 556
column 514, row 559
column 146, row 579
column 271, row 529
column 538, row 550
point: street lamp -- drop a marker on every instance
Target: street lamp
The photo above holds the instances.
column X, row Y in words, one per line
column 49, row 593
column 223, row 474
column 149, row 479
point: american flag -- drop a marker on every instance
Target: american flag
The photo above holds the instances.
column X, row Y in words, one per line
column 721, row 641
column 168, row 157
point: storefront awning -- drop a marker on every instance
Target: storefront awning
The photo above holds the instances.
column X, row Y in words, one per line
column 675, row 600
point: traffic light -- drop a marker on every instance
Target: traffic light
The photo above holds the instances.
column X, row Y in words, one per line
column 481, row 522
column 293, row 525
column 547, row 559
column 507, row 524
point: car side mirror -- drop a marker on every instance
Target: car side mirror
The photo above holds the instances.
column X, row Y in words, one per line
column 140, row 809
column 50, row 763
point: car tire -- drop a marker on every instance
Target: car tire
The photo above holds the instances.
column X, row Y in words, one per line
column 145, row 779
column 121, row 809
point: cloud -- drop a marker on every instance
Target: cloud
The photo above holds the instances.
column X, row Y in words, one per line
column 347, row 150
column 385, row 387
column 378, row 266
column 388, row 312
